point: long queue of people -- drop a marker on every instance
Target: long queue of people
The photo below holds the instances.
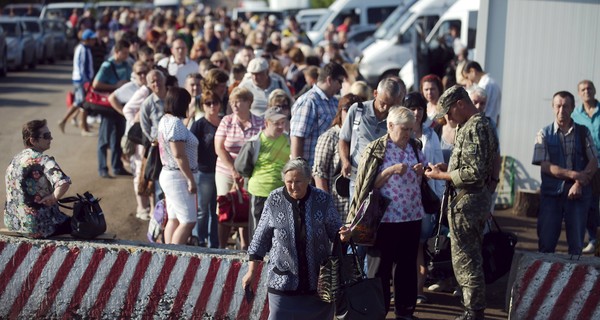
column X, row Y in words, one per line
column 201, row 104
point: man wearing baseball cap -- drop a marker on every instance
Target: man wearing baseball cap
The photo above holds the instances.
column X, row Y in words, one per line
column 261, row 83
column 473, row 173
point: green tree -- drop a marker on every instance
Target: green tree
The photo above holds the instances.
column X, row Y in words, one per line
column 320, row 3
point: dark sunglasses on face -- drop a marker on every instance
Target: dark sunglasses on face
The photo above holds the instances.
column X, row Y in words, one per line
column 211, row 103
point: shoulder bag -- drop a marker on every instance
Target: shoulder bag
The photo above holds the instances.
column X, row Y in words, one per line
column 96, row 102
column 88, row 220
column 368, row 217
column 431, row 202
column 244, row 163
column 497, row 251
column 360, row 298
column 151, row 167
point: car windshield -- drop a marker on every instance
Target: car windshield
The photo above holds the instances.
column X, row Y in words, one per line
column 324, row 19
column 32, row 26
column 392, row 23
column 10, row 29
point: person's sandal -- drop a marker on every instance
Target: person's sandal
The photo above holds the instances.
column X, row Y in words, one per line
column 422, row 299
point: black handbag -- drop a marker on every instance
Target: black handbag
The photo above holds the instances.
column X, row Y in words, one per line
column 88, row 220
column 360, row 299
column 497, row 251
column 153, row 163
column 431, row 202
column 135, row 134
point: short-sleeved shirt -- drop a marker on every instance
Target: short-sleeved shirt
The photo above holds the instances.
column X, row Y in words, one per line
column 235, row 136
column 205, row 133
column 261, row 96
column 180, row 71
column 112, row 72
column 404, row 191
column 369, row 129
column 126, row 91
column 567, row 139
column 172, row 129
column 312, row 115
column 592, row 123
column 327, row 165
column 273, row 155
column 31, row 176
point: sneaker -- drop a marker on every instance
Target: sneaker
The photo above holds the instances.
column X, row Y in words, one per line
column 88, row 134
column 590, row 248
column 457, row 292
column 143, row 215
column 422, row 299
column 122, row 172
column 439, row 287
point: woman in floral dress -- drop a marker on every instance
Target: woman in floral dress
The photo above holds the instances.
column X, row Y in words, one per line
column 34, row 183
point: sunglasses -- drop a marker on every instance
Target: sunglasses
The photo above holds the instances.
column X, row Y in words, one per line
column 218, row 61
column 46, row 136
column 211, row 103
column 141, row 73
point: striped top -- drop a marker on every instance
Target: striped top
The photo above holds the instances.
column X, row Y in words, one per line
column 235, row 136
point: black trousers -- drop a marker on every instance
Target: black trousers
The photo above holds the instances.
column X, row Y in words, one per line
column 395, row 251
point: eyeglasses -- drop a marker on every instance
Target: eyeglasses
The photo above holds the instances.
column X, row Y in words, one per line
column 281, row 106
column 218, row 61
column 46, row 136
column 211, row 103
column 141, row 73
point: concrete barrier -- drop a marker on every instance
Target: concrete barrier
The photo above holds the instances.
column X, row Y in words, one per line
column 46, row 279
column 549, row 286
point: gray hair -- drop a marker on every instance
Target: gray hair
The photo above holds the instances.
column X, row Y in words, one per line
column 400, row 115
column 392, row 86
column 476, row 90
column 297, row 164
column 161, row 76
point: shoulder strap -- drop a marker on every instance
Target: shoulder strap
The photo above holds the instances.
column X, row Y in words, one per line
column 357, row 118
column 114, row 69
column 416, row 146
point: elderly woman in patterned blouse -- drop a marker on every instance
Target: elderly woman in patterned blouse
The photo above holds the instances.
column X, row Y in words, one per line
column 297, row 226
column 34, row 183
column 390, row 165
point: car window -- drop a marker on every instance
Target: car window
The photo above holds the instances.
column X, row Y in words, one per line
column 377, row 15
column 10, row 29
column 32, row 26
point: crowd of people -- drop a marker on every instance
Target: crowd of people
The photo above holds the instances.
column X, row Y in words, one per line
column 201, row 87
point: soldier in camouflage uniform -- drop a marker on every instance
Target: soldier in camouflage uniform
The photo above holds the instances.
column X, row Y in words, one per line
column 471, row 172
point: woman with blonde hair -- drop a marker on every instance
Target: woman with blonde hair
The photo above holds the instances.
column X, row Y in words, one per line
column 232, row 133
column 220, row 60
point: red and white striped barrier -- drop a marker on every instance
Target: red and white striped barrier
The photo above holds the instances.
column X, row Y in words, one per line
column 42, row 279
column 548, row 286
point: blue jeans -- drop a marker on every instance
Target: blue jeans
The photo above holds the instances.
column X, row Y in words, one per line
column 593, row 219
column 207, row 226
column 109, row 137
column 553, row 209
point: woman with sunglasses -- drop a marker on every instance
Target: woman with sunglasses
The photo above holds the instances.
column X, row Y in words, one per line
column 34, row 183
column 204, row 129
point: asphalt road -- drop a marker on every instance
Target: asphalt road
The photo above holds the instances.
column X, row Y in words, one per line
column 40, row 94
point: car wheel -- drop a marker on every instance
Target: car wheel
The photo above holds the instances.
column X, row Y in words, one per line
column 33, row 62
column 21, row 65
column 4, row 68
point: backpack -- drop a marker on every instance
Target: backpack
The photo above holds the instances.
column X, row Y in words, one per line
column 158, row 221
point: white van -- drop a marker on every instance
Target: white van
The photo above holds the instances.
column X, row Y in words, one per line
column 394, row 44
column 307, row 18
column 462, row 14
column 366, row 16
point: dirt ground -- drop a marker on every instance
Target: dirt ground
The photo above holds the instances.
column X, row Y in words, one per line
column 40, row 94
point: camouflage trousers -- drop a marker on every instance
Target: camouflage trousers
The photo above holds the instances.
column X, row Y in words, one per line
column 466, row 221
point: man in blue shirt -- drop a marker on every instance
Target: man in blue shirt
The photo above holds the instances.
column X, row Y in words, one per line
column 588, row 115
column 113, row 73
column 313, row 112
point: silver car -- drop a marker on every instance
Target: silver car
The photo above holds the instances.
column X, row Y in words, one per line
column 20, row 42
column 44, row 39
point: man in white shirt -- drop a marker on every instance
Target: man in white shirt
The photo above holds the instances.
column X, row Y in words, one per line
column 178, row 64
column 474, row 73
column 261, row 83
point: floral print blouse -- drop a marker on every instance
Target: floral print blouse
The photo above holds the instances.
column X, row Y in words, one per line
column 31, row 176
column 404, row 191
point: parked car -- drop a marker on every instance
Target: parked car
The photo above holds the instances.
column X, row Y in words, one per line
column 44, row 39
column 22, row 10
column 62, row 46
column 3, row 53
column 307, row 18
column 20, row 43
